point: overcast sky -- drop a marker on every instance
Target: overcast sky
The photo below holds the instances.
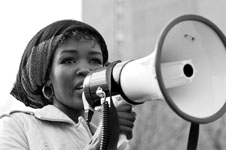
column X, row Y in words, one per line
column 20, row 21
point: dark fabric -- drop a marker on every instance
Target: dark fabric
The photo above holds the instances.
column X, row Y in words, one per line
column 37, row 58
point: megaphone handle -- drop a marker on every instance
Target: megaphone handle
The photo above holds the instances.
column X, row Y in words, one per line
column 193, row 137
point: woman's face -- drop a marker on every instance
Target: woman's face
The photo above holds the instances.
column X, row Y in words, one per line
column 72, row 61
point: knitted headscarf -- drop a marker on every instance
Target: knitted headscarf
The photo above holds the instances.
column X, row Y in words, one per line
column 36, row 60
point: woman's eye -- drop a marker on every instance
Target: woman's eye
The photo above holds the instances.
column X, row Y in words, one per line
column 69, row 61
column 95, row 61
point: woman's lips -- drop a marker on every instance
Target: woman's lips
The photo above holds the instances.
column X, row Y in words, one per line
column 79, row 87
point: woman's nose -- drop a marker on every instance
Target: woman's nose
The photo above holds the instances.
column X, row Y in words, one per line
column 83, row 68
column 83, row 71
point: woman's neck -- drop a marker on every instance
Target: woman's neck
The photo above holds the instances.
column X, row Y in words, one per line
column 70, row 112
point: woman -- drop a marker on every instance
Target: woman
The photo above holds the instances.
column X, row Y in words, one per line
column 53, row 67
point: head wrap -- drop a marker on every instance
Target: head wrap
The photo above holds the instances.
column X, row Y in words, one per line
column 37, row 57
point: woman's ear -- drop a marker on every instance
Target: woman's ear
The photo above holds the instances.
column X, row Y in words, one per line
column 47, row 91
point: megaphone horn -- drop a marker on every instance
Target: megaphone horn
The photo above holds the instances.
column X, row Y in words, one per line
column 186, row 69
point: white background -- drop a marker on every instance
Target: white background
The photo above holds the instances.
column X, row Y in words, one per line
column 20, row 21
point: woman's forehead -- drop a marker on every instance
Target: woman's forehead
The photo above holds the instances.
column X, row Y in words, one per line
column 79, row 42
column 79, row 46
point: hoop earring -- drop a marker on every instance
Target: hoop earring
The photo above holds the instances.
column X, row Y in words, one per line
column 47, row 92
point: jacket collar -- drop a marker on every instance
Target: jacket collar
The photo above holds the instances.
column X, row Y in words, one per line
column 52, row 113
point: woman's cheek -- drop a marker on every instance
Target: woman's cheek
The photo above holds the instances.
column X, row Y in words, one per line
column 66, row 78
column 62, row 79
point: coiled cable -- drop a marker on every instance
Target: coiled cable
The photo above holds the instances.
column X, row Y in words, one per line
column 106, row 126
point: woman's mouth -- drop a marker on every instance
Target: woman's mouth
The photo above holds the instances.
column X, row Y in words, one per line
column 79, row 87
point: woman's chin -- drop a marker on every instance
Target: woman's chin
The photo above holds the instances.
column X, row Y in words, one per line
column 77, row 104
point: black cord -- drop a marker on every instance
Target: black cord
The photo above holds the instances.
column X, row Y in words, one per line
column 105, row 127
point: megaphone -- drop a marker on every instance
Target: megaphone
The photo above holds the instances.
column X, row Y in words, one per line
column 187, row 69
